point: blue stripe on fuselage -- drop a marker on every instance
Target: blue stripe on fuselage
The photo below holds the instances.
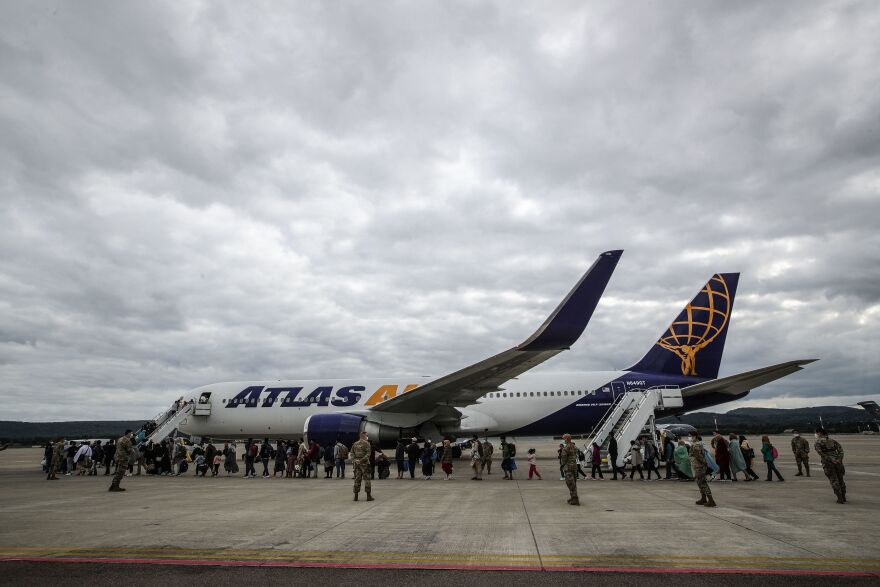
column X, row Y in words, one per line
column 581, row 416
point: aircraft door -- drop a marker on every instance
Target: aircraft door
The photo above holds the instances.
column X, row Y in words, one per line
column 617, row 389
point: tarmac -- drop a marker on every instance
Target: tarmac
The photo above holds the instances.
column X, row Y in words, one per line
column 256, row 529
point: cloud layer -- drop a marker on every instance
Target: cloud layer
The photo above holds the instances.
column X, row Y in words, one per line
column 195, row 192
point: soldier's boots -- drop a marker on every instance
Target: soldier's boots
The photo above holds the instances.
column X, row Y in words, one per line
column 370, row 497
column 798, row 474
column 701, row 501
column 116, row 488
column 710, row 503
column 355, row 497
column 574, row 501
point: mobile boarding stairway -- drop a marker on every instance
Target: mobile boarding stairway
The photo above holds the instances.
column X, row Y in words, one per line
column 632, row 415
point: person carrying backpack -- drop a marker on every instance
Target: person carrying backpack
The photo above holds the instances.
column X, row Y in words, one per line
column 770, row 455
column 340, row 452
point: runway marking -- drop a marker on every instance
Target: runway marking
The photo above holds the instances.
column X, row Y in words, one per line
column 434, row 566
column 488, row 561
column 863, row 473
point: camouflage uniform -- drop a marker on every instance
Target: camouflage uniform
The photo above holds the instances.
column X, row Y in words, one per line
column 831, row 454
column 360, row 453
column 570, row 465
column 488, row 449
column 801, row 449
column 699, row 466
column 123, row 454
column 57, row 457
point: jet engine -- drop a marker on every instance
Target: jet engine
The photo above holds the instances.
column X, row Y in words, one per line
column 346, row 428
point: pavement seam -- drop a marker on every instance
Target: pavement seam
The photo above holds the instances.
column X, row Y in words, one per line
column 531, row 529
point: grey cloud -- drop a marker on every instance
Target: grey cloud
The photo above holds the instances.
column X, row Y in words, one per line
column 201, row 193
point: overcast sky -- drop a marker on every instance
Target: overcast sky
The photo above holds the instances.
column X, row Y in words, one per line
column 203, row 192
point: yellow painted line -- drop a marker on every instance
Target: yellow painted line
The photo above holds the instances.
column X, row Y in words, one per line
column 431, row 556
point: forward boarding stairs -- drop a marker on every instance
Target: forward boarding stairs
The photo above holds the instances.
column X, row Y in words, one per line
column 633, row 415
column 169, row 421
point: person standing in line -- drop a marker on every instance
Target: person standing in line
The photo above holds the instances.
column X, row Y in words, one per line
column 329, row 459
column 71, row 455
column 699, row 467
column 596, row 461
column 400, row 458
column 737, row 460
column 123, row 453
column 280, row 459
column 265, row 456
column 488, row 449
column 651, row 459
column 57, row 457
column 831, row 454
column 722, row 455
column 532, row 458
column 413, row 452
column 341, row 454
column 360, row 452
column 47, row 457
column 249, row 470
column 477, row 458
column 801, row 449
column 427, row 460
column 505, row 459
column 109, row 451
column 749, row 456
column 569, row 456
column 682, row 462
column 635, row 455
column 770, row 454
column 83, row 458
column 446, row 459
column 215, row 468
column 612, row 459
column 668, row 454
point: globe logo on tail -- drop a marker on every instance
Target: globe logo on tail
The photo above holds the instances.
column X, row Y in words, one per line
column 699, row 324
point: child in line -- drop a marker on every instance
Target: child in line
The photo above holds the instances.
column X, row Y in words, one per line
column 533, row 464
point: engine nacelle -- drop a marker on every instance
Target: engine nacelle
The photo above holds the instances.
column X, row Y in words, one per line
column 327, row 428
column 346, row 428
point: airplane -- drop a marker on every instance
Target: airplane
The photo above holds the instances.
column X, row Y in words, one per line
column 677, row 430
column 495, row 396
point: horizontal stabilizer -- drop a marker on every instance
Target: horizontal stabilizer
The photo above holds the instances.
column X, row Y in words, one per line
column 743, row 382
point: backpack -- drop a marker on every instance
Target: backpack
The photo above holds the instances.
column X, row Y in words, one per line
column 581, row 456
column 511, row 449
column 343, row 452
column 774, row 452
column 254, row 450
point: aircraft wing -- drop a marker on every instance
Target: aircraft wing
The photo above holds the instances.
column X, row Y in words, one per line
column 742, row 382
column 561, row 329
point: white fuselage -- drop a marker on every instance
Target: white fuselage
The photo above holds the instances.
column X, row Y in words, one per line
column 279, row 409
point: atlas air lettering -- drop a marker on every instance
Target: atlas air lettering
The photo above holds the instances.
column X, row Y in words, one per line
column 258, row 396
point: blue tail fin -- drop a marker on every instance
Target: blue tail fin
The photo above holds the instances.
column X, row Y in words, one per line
column 694, row 342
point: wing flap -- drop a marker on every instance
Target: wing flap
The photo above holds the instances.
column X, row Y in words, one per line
column 742, row 382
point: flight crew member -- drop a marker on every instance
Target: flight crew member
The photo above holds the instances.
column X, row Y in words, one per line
column 123, row 454
column 699, row 466
column 831, row 454
column 801, row 449
column 360, row 452
column 570, row 466
column 488, row 449
column 57, row 456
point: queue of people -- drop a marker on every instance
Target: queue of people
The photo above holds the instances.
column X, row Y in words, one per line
column 722, row 458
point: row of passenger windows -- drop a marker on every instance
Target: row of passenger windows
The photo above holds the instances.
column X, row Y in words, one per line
column 498, row 395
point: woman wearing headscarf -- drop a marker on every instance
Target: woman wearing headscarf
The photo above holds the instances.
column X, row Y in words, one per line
column 446, row 459
column 770, row 455
column 722, row 455
column 749, row 456
column 427, row 460
column 683, row 462
column 737, row 461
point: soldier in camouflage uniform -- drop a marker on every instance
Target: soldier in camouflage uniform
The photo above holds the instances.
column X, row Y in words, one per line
column 831, row 454
column 123, row 454
column 360, row 454
column 801, row 449
column 57, row 457
column 570, row 466
column 488, row 449
column 698, row 463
